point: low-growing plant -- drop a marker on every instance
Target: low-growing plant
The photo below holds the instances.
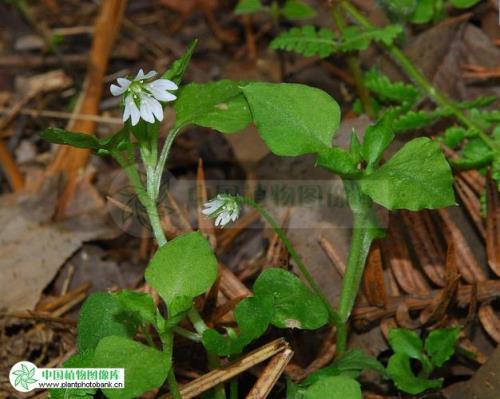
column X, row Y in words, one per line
column 432, row 353
column 475, row 128
column 423, row 11
column 293, row 120
column 290, row 9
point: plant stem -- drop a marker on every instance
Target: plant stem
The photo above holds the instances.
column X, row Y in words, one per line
column 361, row 240
column 165, row 151
column 334, row 316
column 172, row 383
column 213, row 360
column 354, row 67
column 187, row 334
column 233, row 389
column 167, row 340
column 418, row 78
column 149, row 203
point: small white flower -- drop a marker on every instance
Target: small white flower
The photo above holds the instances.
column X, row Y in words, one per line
column 224, row 208
column 142, row 99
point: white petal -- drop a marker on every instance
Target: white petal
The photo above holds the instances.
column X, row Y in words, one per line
column 156, row 108
column 210, row 208
column 123, row 82
column 140, row 75
column 117, row 90
column 162, row 84
column 162, row 95
column 218, row 220
column 126, row 111
column 234, row 215
column 150, row 74
column 225, row 219
column 134, row 113
column 146, row 112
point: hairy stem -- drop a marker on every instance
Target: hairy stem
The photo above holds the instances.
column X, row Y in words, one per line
column 418, row 78
column 165, row 151
column 361, row 240
column 334, row 316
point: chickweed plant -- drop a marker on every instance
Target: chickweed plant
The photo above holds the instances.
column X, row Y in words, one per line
column 126, row 329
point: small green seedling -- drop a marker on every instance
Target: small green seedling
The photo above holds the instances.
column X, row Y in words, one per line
column 424, row 11
column 290, row 9
column 437, row 349
column 338, row 380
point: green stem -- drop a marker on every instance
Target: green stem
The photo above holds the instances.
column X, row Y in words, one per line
column 233, row 389
column 167, row 340
column 165, row 151
column 149, row 203
column 361, row 240
column 334, row 317
column 187, row 334
column 213, row 360
column 354, row 67
column 172, row 383
column 418, row 78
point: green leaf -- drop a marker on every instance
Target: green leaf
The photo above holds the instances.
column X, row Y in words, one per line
column 406, row 341
column 295, row 306
column 306, row 41
column 424, row 12
column 463, row 3
column 387, row 90
column 178, row 309
column 416, row 177
column 355, row 148
column 185, row 266
column 118, row 141
column 351, row 364
column 140, row 304
column 478, row 102
column 356, row 39
column 74, row 139
column 337, row 387
column 294, row 391
column 400, row 7
column 79, row 360
column 102, row 315
column 399, row 369
column 413, row 120
column 377, row 138
column 293, row 119
column 475, row 154
column 248, row 7
column 453, row 136
column 253, row 316
column 217, row 105
column 339, row 161
column 179, row 66
column 440, row 344
column 297, row 9
column 146, row 368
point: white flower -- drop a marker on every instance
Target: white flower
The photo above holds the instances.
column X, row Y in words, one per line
column 224, row 208
column 142, row 99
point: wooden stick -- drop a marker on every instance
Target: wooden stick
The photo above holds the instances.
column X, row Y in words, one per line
column 69, row 159
column 270, row 375
column 10, row 168
column 218, row 376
